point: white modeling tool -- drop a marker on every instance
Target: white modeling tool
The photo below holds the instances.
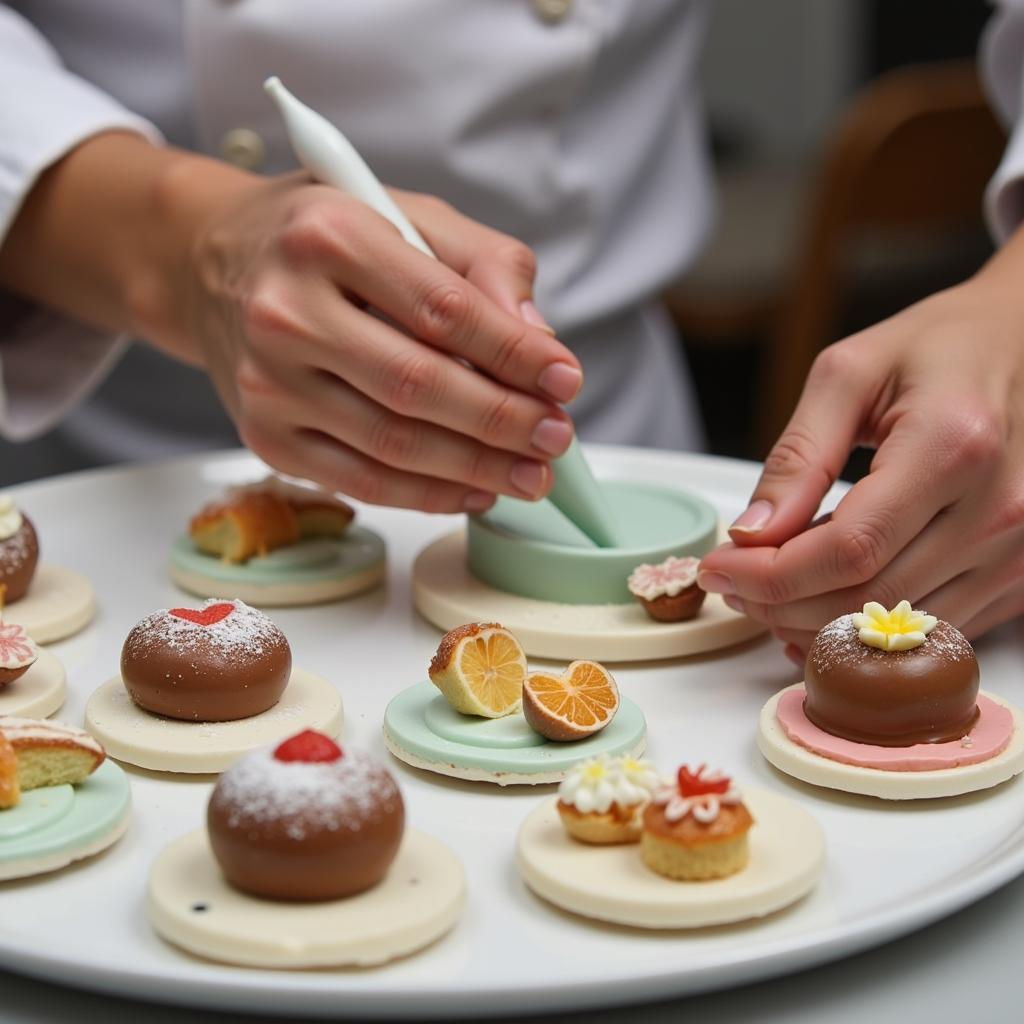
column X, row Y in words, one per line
column 333, row 160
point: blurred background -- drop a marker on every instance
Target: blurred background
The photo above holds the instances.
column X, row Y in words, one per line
column 852, row 143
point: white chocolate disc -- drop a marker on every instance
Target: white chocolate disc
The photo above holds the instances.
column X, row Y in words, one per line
column 60, row 602
column 420, row 899
column 447, row 594
column 612, row 883
column 39, row 692
column 807, row 766
column 160, row 744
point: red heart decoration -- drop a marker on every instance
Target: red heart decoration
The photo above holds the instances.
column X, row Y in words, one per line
column 204, row 616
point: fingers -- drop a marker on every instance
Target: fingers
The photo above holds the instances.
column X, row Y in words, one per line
column 412, row 380
column 1009, row 606
column 365, row 256
column 922, row 468
column 810, row 454
column 330, row 406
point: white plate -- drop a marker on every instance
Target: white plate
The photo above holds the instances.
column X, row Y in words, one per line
column 890, row 868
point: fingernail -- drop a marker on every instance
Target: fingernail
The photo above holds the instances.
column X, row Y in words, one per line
column 529, row 477
column 715, row 583
column 552, row 436
column 561, row 381
column 735, row 604
column 755, row 518
column 531, row 314
column 795, row 655
column 478, row 501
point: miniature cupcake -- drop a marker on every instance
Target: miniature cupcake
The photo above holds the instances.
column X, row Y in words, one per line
column 668, row 591
column 19, row 550
column 18, row 653
column 218, row 663
column 602, row 800
column 696, row 829
column 305, row 821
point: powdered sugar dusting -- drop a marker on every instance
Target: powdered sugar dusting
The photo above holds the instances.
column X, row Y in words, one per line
column 246, row 631
column 839, row 643
column 301, row 797
column 16, row 549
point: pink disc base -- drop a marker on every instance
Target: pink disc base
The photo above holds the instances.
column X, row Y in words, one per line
column 990, row 736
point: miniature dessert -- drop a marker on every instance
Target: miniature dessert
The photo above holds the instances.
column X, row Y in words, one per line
column 602, row 800
column 18, row 653
column 572, row 706
column 892, row 678
column 19, row 550
column 480, row 668
column 222, row 662
column 696, row 829
column 305, row 821
column 257, row 518
column 10, row 791
column 668, row 591
column 45, row 754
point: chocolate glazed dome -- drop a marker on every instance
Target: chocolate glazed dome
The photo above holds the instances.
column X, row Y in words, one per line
column 892, row 698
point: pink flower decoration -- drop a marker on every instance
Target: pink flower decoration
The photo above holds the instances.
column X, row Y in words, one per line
column 667, row 578
column 16, row 647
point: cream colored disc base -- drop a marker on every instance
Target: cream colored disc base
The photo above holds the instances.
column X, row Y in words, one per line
column 280, row 595
column 447, row 595
column 136, row 737
column 612, row 883
column 419, row 900
column 59, row 603
column 56, row 861
column 39, row 692
column 803, row 764
column 481, row 775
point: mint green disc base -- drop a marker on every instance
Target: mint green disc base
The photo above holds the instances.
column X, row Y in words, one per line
column 309, row 572
column 531, row 549
column 56, row 825
column 422, row 729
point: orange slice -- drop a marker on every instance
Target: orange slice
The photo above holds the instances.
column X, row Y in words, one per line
column 578, row 703
column 480, row 668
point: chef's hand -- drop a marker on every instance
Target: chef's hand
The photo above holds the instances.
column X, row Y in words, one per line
column 938, row 392
column 343, row 354
column 346, row 356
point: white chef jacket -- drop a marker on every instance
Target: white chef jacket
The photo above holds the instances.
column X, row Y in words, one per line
column 572, row 124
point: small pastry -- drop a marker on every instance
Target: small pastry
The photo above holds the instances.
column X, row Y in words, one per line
column 218, row 663
column 892, row 678
column 47, row 753
column 697, row 828
column 668, row 591
column 19, row 550
column 305, row 821
column 10, row 791
column 258, row 518
column 18, row 653
column 572, row 706
column 480, row 668
column 602, row 800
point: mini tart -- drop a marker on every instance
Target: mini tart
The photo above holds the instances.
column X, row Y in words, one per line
column 48, row 753
column 601, row 801
column 18, row 652
column 19, row 555
column 219, row 663
column 258, row 518
column 305, row 821
column 668, row 591
column 696, row 829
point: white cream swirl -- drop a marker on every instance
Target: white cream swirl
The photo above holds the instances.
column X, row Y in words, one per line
column 10, row 517
column 594, row 786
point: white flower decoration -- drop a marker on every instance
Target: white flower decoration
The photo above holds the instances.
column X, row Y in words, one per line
column 901, row 629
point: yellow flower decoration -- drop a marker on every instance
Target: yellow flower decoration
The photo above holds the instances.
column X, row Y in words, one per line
column 901, row 629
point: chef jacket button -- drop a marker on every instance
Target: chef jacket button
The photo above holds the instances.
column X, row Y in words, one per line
column 243, row 148
column 552, row 11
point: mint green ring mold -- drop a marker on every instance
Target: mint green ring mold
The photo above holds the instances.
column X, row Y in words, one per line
column 532, row 550
column 423, row 730
column 55, row 825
